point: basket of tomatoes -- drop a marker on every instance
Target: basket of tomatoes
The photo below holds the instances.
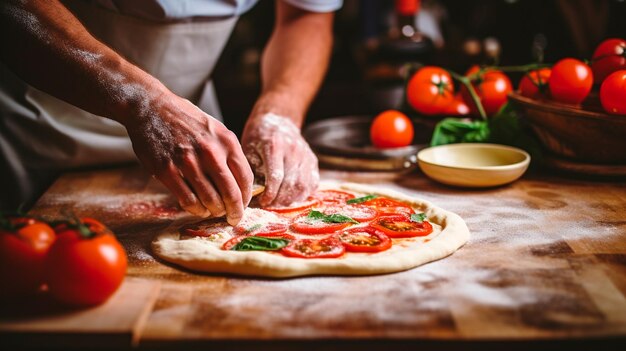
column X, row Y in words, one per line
column 577, row 110
column 571, row 118
column 555, row 108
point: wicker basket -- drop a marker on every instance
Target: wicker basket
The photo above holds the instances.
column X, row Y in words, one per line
column 575, row 133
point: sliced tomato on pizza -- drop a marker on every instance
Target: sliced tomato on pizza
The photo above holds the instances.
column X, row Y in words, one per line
column 230, row 244
column 328, row 247
column 205, row 228
column 305, row 225
column 401, row 226
column 359, row 213
column 386, row 206
column 364, row 239
column 317, row 222
column 328, row 197
column 295, row 207
column 262, row 229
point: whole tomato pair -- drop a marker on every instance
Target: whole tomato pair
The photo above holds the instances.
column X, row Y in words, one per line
column 431, row 91
column 569, row 81
column 80, row 261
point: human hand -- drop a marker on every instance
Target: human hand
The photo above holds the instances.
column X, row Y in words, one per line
column 277, row 151
column 194, row 155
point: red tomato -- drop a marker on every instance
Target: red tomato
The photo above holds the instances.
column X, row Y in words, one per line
column 571, row 81
column 86, row 264
column 407, row 7
column 534, row 84
column 304, row 225
column 236, row 240
column 610, row 56
column 364, row 239
column 24, row 243
column 262, row 229
column 391, row 129
column 386, row 206
column 295, row 207
column 430, row 91
column 359, row 213
column 613, row 93
column 492, row 88
column 401, row 226
column 457, row 107
column 205, row 227
column 329, row 247
column 327, row 197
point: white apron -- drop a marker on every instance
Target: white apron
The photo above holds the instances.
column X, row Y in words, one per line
column 41, row 136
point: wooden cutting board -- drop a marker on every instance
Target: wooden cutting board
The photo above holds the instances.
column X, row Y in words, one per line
column 546, row 261
column 41, row 321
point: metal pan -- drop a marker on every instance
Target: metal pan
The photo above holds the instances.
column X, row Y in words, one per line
column 344, row 143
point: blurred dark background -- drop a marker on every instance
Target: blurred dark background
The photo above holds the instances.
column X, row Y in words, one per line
column 370, row 58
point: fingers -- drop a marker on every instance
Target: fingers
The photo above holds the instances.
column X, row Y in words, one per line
column 301, row 180
column 273, row 158
column 295, row 175
column 240, row 168
column 215, row 165
column 171, row 178
column 204, row 190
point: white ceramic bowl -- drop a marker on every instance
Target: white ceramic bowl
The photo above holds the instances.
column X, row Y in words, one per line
column 473, row 165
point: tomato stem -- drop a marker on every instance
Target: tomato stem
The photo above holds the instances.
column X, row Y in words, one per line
column 509, row 69
column 468, row 84
column 74, row 222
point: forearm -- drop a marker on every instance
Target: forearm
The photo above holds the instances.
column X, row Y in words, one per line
column 294, row 62
column 51, row 50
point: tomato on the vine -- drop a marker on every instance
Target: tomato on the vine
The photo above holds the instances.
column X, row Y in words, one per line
column 610, row 56
column 86, row 264
column 492, row 88
column 534, row 84
column 457, row 107
column 24, row 243
column 613, row 93
column 391, row 129
column 570, row 81
column 430, row 91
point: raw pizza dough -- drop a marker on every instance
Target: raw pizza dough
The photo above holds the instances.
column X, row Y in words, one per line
column 205, row 254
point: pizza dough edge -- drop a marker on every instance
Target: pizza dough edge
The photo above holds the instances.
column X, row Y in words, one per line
column 211, row 259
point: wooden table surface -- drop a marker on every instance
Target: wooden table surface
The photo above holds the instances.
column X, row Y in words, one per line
column 545, row 266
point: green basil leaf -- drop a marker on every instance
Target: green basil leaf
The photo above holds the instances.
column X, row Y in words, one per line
column 339, row 218
column 458, row 130
column 506, row 127
column 362, row 199
column 332, row 218
column 418, row 217
column 259, row 243
column 313, row 214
